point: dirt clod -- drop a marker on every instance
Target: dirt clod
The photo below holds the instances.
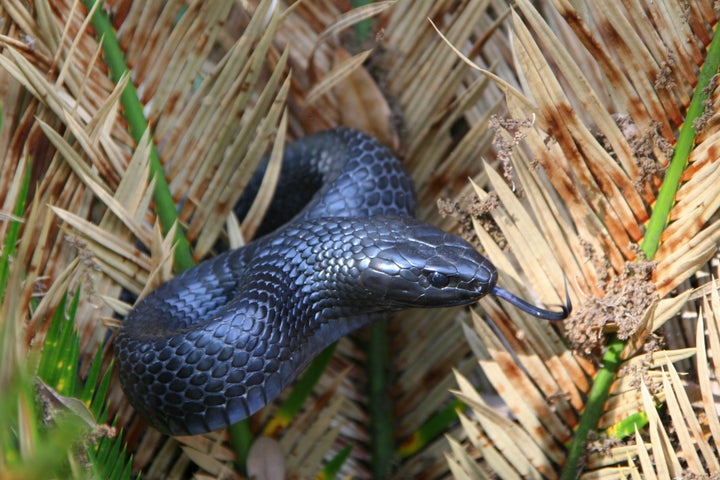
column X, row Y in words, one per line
column 621, row 309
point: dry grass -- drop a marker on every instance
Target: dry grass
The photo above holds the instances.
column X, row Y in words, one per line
column 584, row 107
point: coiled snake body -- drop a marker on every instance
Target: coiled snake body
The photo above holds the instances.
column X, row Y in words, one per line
column 220, row 341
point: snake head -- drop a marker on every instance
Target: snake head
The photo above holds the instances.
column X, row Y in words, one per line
column 425, row 267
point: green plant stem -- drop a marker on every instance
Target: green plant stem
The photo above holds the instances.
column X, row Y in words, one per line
column 649, row 245
column 133, row 112
column 685, row 141
column 594, row 407
column 380, row 410
column 362, row 30
column 164, row 203
column 241, row 438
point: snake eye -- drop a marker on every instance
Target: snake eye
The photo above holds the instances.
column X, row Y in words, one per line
column 438, row 280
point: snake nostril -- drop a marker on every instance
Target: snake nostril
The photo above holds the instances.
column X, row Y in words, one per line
column 479, row 286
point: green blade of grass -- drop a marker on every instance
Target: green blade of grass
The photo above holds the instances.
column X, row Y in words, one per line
column 92, row 378
column 332, row 467
column 13, row 230
column 58, row 368
column 649, row 245
column 52, row 350
column 627, row 426
column 58, row 363
column 436, row 425
column 98, row 406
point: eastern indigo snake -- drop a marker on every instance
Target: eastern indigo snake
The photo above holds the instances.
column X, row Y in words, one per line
column 220, row 341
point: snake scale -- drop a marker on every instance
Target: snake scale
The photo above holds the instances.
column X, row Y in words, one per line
column 220, row 341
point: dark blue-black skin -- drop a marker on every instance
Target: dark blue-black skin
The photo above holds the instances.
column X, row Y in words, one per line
column 222, row 340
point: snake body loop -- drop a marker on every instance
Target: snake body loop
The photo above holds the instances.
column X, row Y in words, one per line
column 220, row 341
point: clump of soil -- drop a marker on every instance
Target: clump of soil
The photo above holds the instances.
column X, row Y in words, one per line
column 467, row 209
column 621, row 309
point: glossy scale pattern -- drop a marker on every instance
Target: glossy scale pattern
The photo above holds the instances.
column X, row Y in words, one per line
column 222, row 340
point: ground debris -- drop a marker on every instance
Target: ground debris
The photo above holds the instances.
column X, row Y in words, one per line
column 622, row 309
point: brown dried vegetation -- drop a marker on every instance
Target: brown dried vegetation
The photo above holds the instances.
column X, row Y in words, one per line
column 589, row 98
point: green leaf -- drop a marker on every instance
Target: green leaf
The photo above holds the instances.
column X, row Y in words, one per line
column 13, row 230
column 332, row 468
column 302, row 389
column 436, row 425
column 58, row 368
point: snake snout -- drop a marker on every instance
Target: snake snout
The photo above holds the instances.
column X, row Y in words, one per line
column 430, row 268
column 458, row 275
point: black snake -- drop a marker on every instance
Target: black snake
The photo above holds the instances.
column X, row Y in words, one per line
column 222, row 340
